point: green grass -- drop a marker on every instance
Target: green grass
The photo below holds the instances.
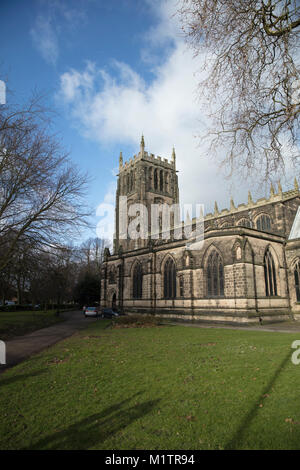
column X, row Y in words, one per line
column 19, row 323
column 167, row 387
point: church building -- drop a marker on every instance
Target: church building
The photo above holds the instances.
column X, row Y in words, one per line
column 246, row 270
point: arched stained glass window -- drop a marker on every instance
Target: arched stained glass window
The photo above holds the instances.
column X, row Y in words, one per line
column 297, row 280
column 215, row 275
column 170, row 279
column 137, row 282
column 270, row 274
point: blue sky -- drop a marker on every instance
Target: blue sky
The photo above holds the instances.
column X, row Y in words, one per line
column 114, row 69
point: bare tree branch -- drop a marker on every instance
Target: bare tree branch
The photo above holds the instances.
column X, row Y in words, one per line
column 41, row 191
column 252, row 81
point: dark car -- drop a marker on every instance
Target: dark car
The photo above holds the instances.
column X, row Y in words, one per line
column 108, row 313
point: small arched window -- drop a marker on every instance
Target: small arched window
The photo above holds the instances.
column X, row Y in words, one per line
column 270, row 274
column 137, row 282
column 244, row 223
column 263, row 223
column 297, row 280
column 170, row 279
column 215, row 275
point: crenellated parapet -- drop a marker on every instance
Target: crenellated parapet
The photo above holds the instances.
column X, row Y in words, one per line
column 280, row 196
column 150, row 158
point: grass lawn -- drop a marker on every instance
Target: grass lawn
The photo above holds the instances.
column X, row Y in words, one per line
column 19, row 323
column 168, row 387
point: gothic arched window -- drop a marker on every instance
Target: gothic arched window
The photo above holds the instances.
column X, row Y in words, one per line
column 244, row 223
column 215, row 275
column 112, row 276
column 170, row 279
column 270, row 274
column 137, row 282
column 263, row 223
column 297, row 280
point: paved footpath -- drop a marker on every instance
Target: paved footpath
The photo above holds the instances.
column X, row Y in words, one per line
column 22, row 347
column 280, row 327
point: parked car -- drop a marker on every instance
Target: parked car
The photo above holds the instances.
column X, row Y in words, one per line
column 108, row 313
column 91, row 312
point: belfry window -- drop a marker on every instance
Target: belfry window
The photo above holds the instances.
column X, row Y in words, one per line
column 170, row 279
column 155, row 179
column 161, row 181
column 297, row 280
column 137, row 282
column 270, row 275
column 215, row 275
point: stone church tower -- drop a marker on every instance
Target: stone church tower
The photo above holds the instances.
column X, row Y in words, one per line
column 148, row 180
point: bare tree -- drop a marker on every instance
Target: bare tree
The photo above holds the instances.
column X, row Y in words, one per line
column 41, row 191
column 251, row 78
column 92, row 251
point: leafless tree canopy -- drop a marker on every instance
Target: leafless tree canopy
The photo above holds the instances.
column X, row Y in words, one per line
column 41, row 192
column 252, row 77
column 56, row 275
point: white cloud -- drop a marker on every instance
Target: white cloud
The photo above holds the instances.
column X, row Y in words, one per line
column 116, row 104
column 45, row 39
column 56, row 16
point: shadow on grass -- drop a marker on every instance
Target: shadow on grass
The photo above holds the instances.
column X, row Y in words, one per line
column 237, row 438
column 95, row 429
column 15, row 378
